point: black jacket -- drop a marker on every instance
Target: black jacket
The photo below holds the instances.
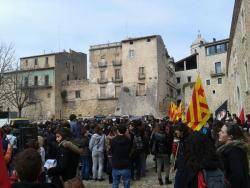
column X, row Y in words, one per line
column 32, row 185
column 120, row 148
column 235, row 162
column 67, row 163
column 162, row 143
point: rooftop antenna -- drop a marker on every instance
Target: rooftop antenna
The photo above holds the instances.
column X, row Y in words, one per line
column 59, row 38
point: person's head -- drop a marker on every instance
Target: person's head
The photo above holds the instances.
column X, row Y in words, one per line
column 28, row 165
column 98, row 130
column 181, row 130
column 72, row 117
column 230, row 132
column 200, row 152
column 32, row 143
column 248, row 117
column 122, row 128
column 62, row 134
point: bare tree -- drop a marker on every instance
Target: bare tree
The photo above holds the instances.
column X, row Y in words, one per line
column 20, row 94
column 7, row 59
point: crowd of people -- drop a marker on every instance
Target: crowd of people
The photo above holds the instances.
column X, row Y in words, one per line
column 118, row 149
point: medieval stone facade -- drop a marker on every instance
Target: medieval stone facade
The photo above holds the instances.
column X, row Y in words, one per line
column 131, row 77
column 43, row 75
column 238, row 58
column 208, row 59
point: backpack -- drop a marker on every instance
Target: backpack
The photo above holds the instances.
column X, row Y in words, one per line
column 138, row 143
column 215, row 179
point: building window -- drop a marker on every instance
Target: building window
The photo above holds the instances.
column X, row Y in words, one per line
column 46, row 61
column 102, row 74
column 117, row 73
column 178, row 79
column 73, row 67
column 131, row 53
column 141, row 89
column 67, row 77
column 26, row 62
column 36, row 80
column 102, row 92
column 208, row 82
column 171, row 92
column 213, row 91
column 219, row 80
column 131, row 42
column 189, row 78
column 48, row 95
column 141, row 70
column 36, row 61
column 216, row 49
column 26, row 81
column 178, row 91
column 117, row 91
column 218, row 67
column 246, row 76
column 78, row 94
column 148, row 40
column 46, row 80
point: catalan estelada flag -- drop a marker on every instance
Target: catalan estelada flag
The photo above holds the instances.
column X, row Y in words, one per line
column 198, row 111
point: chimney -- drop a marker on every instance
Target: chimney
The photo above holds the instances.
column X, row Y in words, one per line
column 214, row 39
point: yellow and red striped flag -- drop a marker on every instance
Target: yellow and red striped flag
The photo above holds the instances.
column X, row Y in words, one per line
column 172, row 111
column 179, row 112
column 198, row 111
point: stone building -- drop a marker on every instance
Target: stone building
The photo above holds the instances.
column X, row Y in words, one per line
column 134, row 76
column 209, row 60
column 238, row 58
column 44, row 75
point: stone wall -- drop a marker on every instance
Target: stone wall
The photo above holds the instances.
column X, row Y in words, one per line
column 239, row 58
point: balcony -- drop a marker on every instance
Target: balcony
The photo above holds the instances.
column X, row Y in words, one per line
column 36, row 87
column 102, row 97
column 217, row 74
column 141, row 76
column 117, row 80
column 102, row 64
column 117, row 63
column 102, row 80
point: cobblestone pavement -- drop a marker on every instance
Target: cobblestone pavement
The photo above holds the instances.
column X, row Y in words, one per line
column 150, row 181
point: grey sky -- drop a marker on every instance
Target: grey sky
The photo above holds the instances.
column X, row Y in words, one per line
column 35, row 26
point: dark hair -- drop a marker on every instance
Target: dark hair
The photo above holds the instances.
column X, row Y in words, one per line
column 182, row 127
column 200, row 152
column 72, row 117
column 234, row 131
column 64, row 132
column 28, row 165
column 122, row 128
column 98, row 129
column 32, row 143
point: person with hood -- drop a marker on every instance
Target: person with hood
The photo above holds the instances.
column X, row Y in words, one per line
column 67, row 158
column 97, row 147
column 233, row 153
column 28, row 166
column 162, row 145
column 120, row 148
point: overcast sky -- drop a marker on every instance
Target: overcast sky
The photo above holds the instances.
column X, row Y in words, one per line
column 35, row 26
